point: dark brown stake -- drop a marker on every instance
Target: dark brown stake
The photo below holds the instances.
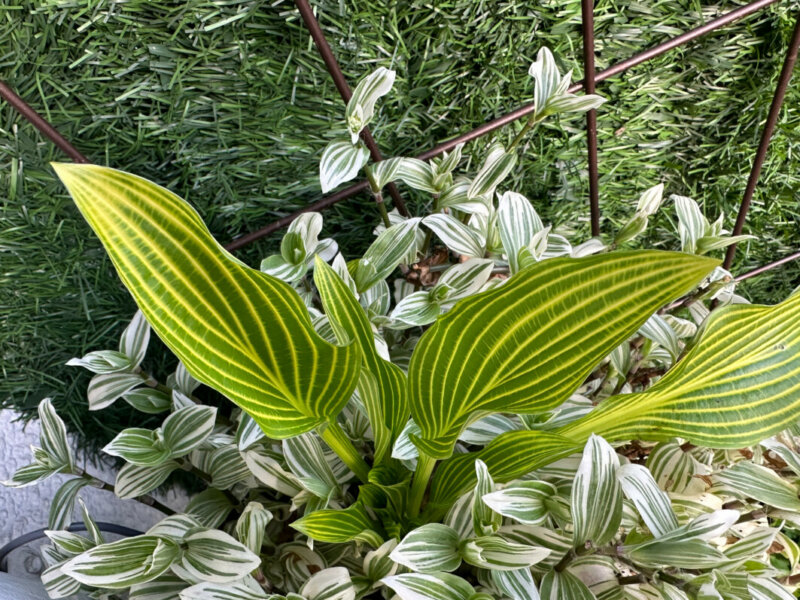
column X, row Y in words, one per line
column 587, row 18
column 767, row 267
column 38, row 121
column 344, row 89
column 763, row 146
column 527, row 109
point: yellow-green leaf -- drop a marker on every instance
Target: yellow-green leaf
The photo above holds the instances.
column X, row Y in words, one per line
column 382, row 386
column 526, row 346
column 739, row 384
column 238, row 330
column 508, row 456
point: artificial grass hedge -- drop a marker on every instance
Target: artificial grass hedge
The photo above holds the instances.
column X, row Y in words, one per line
column 228, row 104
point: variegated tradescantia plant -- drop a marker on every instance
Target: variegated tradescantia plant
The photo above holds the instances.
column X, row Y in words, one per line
column 512, row 415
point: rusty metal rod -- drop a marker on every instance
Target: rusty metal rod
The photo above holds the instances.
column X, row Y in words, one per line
column 587, row 20
column 767, row 267
column 325, row 202
column 40, row 123
column 307, row 13
column 526, row 110
column 769, row 127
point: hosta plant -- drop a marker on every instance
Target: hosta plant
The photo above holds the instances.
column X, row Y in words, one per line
column 479, row 407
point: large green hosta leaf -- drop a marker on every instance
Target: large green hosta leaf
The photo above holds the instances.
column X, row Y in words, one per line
column 383, row 386
column 524, row 347
column 739, row 384
column 236, row 329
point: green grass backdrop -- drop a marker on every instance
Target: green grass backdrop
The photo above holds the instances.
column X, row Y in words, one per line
column 227, row 103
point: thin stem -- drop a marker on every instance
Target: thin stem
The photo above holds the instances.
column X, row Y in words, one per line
column 376, row 193
column 339, row 442
column 529, row 124
column 422, row 474
column 382, row 209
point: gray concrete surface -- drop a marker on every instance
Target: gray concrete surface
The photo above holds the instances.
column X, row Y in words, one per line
column 26, row 509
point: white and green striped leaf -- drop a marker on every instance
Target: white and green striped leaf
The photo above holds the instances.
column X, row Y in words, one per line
column 427, row 549
column 563, row 585
column 748, row 480
column 499, row 554
column 210, row 507
column 121, row 564
column 341, row 161
column 484, row 519
column 526, row 346
column 31, row 474
column 54, row 436
column 306, row 459
column 227, row 467
column 70, row 543
column 658, row 330
column 684, row 554
column 329, row 584
column 175, row 526
column 596, row 499
column 752, row 547
column 484, row 430
column 458, row 237
column 524, row 501
column 546, row 78
column 214, row 556
column 103, row 361
column 64, row 501
column 58, row 584
column 495, row 169
column 736, row 386
column 383, row 256
column 671, row 467
column 248, row 432
column 269, row 472
column 650, row 200
column 361, row 106
column 572, row 103
column 416, row 173
column 134, row 480
column 429, row 586
column 517, row 584
column 415, row 310
column 148, row 400
column 238, row 590
column 790, row 457
column 253, row 339
column 692, row 224
column 139, row 447
column 252, row 525
column 762, row 588
column 464, row 279
column 386, row 171
column 135, row 338
column 518, row 224
column 107, row 388
column 165, row 587
column 651, row 503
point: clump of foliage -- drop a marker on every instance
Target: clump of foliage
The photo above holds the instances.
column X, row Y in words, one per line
column 230, row 105
column 516, row 416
